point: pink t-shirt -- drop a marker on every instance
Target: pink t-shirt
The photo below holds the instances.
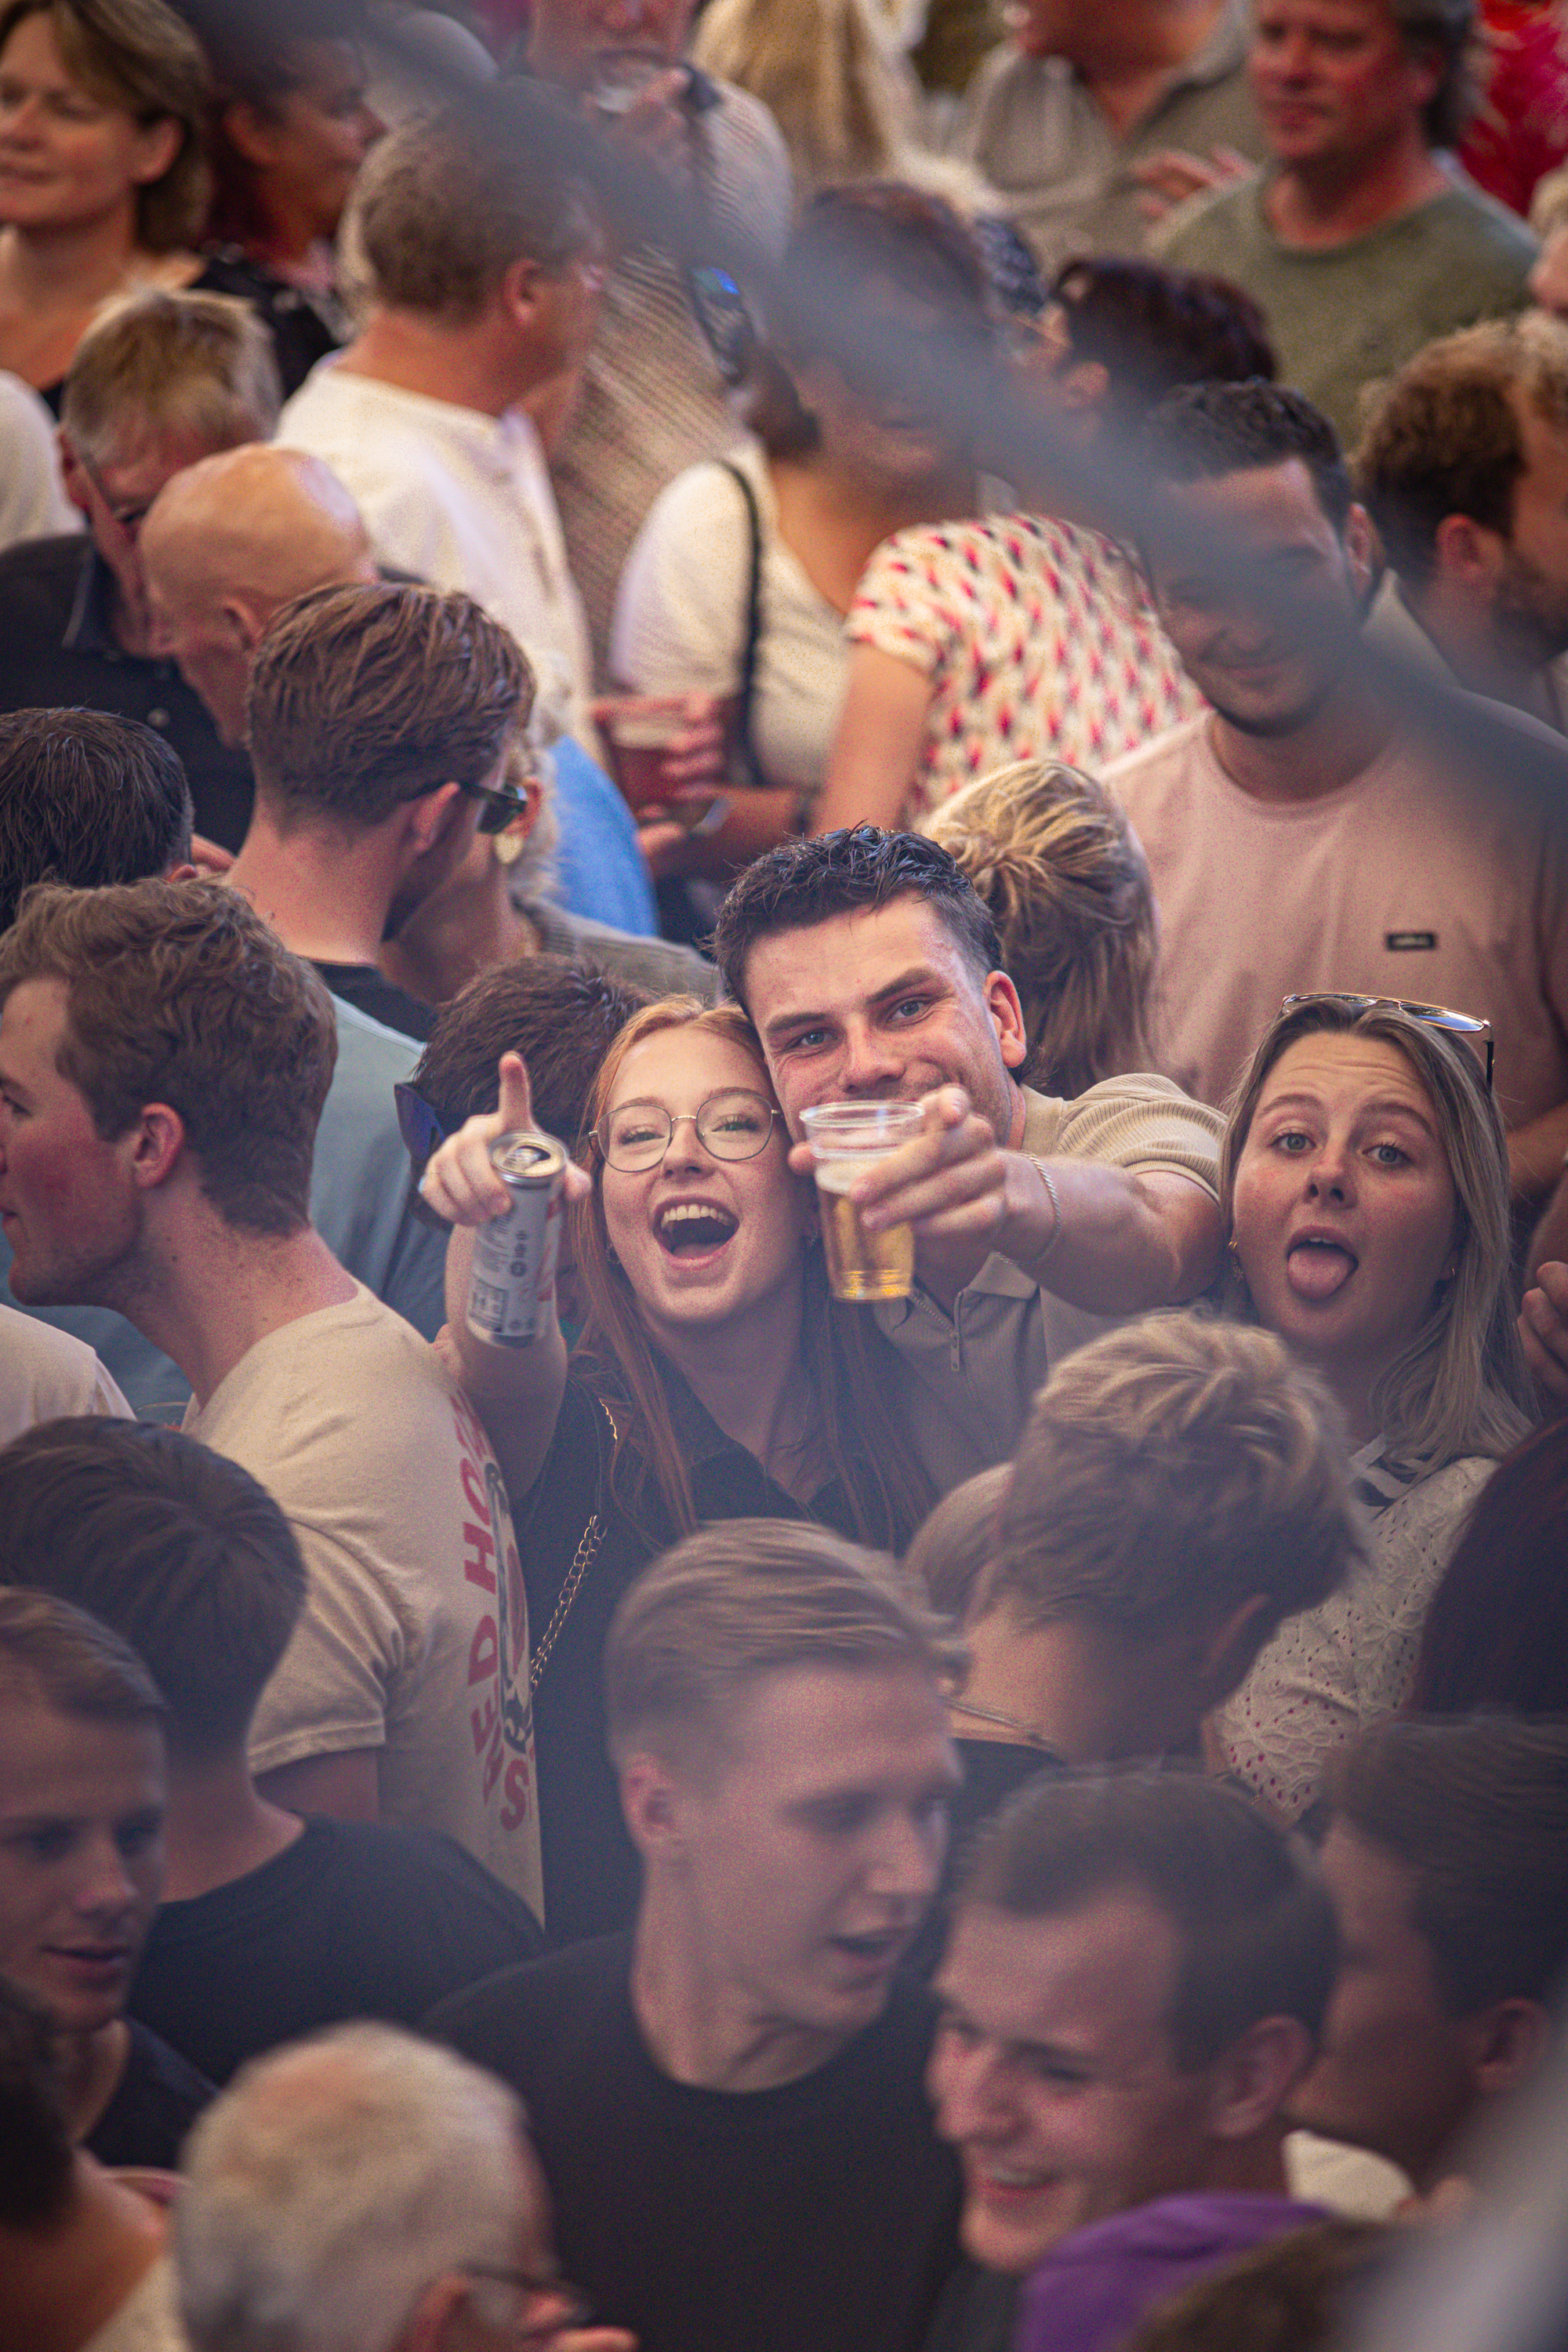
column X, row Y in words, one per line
column 1398, row 884
column 1038, row 639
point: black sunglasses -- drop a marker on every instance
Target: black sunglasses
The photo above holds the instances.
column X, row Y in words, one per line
column 1434, row 1016
column 503, row 804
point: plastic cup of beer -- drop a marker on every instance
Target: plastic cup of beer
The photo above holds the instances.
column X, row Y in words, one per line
column 847, row 1139
column 640, row 739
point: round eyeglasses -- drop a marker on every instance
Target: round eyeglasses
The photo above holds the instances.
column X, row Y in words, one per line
column 734, row 1125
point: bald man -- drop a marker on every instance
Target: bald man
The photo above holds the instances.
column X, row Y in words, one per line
column 227, row 543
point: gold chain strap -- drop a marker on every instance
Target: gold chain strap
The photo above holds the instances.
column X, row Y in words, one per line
column 587, row 1552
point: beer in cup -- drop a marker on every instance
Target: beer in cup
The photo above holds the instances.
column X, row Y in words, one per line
column 847, row 1139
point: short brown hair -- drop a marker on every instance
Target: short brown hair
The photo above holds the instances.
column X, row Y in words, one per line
column 1477, row 1809
column 561, row 1016
column 144, row 58
column 161, row 364
column 1446, row 437
column 1175, row 1465
column 444, row 206
column 745, row 1598
column 52, row 1651
column 361, row 697
column 178, row 992
column 1254, row 1921
column 87, row 797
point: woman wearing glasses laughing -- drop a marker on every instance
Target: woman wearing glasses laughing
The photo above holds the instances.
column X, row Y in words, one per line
column 1364, row 1186
column 716, row 1378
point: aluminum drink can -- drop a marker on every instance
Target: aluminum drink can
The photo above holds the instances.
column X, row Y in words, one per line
column 511, row 1287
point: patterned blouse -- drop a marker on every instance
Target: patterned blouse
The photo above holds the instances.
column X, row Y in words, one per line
column 1038, row 639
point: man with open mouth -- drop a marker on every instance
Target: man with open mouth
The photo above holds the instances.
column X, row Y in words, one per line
column 728, row 2101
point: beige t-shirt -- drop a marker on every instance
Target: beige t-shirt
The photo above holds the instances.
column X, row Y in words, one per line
column 45, row 1375
column 414, row 1637
column 967, row 1380
column 1399, row 883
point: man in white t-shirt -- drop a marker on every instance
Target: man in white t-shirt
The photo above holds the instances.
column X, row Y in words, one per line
column 487, row 276
column 163, row 1060
column 1298, row 837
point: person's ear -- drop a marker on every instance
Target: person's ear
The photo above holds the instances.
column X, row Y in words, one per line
column 158, row 148
column 1249, row 2082
column 1361, row 551
column 520, row 288
column 1006, row 1011
column 651, row 1804
column 243, row 625
column 1230, row 1649
column 1506, row 2044
column 154, row 1146
column 434, row 2322
column 1469, row 556
column 250, row 134
column 73, row 473
column 1082, row 385
column 427, row 819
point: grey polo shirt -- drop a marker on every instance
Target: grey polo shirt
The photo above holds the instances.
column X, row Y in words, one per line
column 968, row 1378
column 1042, row 141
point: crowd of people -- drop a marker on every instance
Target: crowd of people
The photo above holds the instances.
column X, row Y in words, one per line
column 686, row 580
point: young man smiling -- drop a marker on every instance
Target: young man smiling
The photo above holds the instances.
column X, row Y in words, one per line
column 1135, row 1978
column 1300, row 835
column 727, row 2104
column 871, row 970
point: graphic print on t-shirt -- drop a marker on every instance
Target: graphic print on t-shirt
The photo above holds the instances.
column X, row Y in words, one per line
column 501, row 1718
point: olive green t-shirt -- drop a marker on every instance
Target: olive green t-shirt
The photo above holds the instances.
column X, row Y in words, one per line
column 1343, row 317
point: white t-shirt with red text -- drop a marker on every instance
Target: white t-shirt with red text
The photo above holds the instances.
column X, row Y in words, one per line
column 414, row 1637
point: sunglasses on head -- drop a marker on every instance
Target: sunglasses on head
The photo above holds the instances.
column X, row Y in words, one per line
column 1474, row 1033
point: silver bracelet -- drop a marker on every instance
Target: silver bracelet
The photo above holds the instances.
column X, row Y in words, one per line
column 1049, row 1181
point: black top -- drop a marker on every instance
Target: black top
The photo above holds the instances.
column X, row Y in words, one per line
column 155, row 2102
column 58, row 652
column 977, row 2312
column 366, row 987
column 591, row 1873
column 354, row 1919
column 302, row 329
column 818, row 2217
column 993, row 1770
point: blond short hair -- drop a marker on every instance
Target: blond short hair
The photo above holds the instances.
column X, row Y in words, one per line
column 160, row 365
column 746, row 1597
column 955, row 1547
column 1170, row 1471
column 1052, row 854
column 143, row 59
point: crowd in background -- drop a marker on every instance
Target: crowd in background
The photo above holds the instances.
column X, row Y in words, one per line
column 687, row 578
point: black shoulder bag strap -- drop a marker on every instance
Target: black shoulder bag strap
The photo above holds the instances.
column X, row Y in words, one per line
column 744, row 740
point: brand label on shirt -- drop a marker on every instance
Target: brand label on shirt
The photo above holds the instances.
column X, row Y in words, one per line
column 1404, row 942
